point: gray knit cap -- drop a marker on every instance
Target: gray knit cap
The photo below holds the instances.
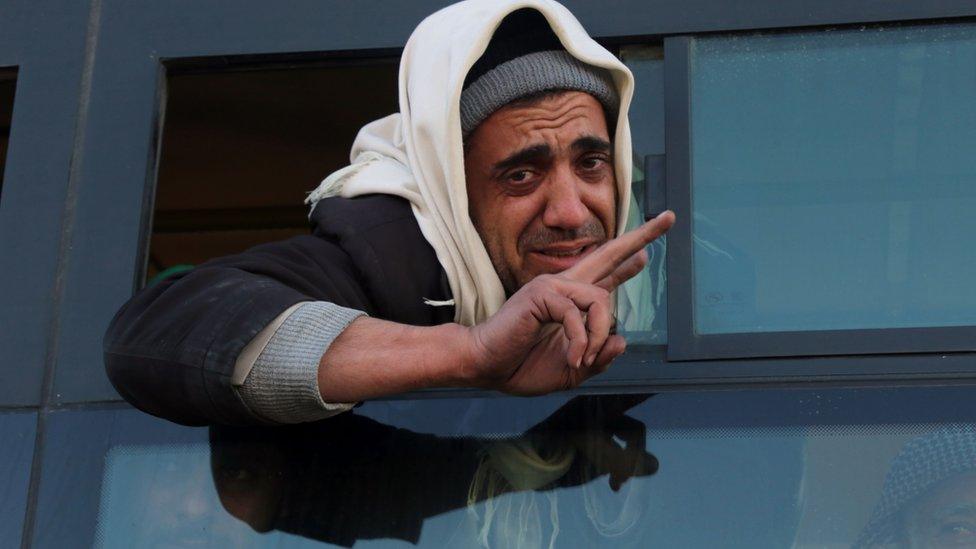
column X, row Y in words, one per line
column 535, row 72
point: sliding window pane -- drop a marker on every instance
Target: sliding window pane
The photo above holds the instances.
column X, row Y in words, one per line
column 834, row 179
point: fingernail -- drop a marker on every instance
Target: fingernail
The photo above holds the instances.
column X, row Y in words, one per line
column 589, row 360
column 578, row 361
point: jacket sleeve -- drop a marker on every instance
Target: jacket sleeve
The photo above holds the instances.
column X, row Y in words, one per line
column 171, row 350
column 283, row 383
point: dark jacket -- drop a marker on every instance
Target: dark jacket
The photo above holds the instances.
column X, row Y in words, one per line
column 170, row 351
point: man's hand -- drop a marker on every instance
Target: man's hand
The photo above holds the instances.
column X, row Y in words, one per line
column 555, row 332
column 551, row 335
column 596, row 426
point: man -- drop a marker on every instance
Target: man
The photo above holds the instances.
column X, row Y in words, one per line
column 929, row 494
column 468, row 230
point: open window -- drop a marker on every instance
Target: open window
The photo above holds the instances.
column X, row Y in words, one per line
column 242, row 147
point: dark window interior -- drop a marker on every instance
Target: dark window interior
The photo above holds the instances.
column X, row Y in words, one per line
column 240, row 150
column 8, row 84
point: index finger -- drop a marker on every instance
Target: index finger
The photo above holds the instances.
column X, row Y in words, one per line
column 605, row 259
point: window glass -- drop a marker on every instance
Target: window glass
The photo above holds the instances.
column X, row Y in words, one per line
column 834, row 180
column 642, row 301
column 716, row 469
column 16, row 453
column 241, row 149
column 8, row 85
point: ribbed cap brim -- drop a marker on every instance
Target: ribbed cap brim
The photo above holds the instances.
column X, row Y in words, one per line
column 529, row 74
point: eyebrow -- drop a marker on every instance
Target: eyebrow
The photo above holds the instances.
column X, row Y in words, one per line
column 529, row 155
column 534, row 154
column 955, row 509
column 591, row 143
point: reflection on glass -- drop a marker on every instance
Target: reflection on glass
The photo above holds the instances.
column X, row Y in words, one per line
column 929, row 495
column 334, row 482
column 163, row 497
column 730, row 469
column 642, row 301
column 586, row 475
column 834, row 179
column 16, row 452
column 352, row 478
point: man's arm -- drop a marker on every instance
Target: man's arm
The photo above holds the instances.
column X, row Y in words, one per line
column 172, row 349
column 516, row 351
column 374, row 358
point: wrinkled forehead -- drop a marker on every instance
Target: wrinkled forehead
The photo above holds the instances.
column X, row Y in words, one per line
column 954, row 495
column 560, row 123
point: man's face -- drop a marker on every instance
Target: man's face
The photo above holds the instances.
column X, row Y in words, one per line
column 946, row 516
column 541, row 185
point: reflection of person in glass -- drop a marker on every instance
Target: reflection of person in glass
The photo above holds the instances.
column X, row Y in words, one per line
column 352, row 478
column 929, row 495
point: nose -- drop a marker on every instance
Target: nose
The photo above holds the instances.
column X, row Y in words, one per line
column 565, row 208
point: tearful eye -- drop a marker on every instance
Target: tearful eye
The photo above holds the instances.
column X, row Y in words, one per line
column 519, row 182
column 957, row 530
column 592, row 162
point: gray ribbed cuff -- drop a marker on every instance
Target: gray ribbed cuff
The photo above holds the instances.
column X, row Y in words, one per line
column 535, row 72
column 283, row 385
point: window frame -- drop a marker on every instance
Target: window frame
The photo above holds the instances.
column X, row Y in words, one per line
column 47, row 50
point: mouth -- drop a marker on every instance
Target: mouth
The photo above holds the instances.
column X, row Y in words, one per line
column 561, row 256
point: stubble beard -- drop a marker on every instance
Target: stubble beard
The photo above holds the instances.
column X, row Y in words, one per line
column 530, row 240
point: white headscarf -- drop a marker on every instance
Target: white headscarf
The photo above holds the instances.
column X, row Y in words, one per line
column 417, row 154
